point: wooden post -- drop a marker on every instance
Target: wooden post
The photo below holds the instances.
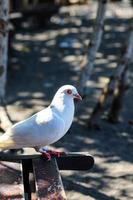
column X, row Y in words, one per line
column 48, row 180
column 94, row 44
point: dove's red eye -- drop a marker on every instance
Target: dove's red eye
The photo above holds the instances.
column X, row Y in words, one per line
column 69, row 91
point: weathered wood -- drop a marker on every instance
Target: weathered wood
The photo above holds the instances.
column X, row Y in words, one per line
column 15, row 156
column 41, row 178
column 70, row 161
column 48, row 181
column 11, row 184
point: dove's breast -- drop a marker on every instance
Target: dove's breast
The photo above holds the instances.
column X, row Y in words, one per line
column 50, row 127
column 68, row 115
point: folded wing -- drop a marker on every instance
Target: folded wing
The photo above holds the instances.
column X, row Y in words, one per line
column 41, row 129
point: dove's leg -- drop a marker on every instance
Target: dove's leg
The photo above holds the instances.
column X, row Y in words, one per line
column 56, row 153
column 52, row 152
column 48, row 154
column 43, row 151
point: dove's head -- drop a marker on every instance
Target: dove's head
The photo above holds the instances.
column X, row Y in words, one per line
column 69, row 91
column 64, row 98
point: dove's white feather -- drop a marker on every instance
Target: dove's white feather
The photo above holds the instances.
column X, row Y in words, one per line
column 45, row 127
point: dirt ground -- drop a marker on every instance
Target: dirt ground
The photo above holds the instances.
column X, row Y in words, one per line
column 44, row 59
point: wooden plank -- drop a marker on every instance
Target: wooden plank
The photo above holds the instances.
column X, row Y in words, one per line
column 11, row 184
column 48, row 180
column 70, row 161
column 75, row 161
column 18, row 156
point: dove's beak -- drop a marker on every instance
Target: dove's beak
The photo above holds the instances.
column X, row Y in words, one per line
column 77, row 96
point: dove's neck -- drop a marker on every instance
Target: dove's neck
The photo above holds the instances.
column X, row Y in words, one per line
column 64, row 106
column 62, row 103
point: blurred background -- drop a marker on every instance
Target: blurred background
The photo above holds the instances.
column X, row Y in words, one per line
column 56, row 42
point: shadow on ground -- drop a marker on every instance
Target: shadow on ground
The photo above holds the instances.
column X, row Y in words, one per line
column 39, row 65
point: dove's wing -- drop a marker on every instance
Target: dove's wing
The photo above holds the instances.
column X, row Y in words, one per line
column 41, row 129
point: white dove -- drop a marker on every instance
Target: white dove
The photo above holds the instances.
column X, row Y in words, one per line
column 44, row 127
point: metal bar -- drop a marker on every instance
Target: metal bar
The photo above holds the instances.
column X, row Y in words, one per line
column 26, row 165
column 75, row 161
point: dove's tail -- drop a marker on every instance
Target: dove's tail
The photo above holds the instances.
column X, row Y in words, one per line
column 6, row 144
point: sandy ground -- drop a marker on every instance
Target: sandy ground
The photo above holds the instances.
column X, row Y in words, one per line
column 40, row 64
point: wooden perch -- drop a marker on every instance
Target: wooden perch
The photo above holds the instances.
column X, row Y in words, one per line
column 32, row 177
column 94, row 44
column 116, row 86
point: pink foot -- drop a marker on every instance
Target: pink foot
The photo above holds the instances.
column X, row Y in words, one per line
column 46, row 155
column 56, row 153
column 49, row 154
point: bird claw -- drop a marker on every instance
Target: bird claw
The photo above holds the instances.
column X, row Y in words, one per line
column 46, row 155
column 56, row 153
column 49, row 154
